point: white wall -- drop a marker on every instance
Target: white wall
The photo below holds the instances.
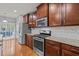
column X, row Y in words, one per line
column 70, row 32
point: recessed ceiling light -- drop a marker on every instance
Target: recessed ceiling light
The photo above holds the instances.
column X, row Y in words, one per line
column 5, row 21
column 15, row 11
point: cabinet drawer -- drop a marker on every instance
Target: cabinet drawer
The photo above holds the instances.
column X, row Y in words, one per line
column 70, row 48
column 53, row 43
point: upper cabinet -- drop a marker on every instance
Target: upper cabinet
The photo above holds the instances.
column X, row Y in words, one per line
column 55, row 17
column 63, row 14
column 25, row 18
column 71, row 14
column 32, row 20
column 34, row 15
column 42, row 10
column 58, row 14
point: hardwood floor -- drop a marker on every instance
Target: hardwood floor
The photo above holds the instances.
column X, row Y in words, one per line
column 12, row 48
column 23, row 50
column 8, row 47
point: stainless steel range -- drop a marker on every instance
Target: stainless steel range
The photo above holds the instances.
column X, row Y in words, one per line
column 38, row 41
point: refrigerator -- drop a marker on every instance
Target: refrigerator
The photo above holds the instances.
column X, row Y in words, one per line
column 22, row 29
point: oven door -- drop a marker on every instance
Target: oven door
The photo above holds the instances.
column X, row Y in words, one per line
column 39, row 46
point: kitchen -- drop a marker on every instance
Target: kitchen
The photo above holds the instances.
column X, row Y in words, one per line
column 54, row 29
column 49, row 30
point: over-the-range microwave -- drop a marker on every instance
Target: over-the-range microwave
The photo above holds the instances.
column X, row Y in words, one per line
column 42, row 22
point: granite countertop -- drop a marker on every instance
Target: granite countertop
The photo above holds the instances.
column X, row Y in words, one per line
column 73, row 42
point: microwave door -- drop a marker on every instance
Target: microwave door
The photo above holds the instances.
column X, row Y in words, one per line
column 41, row 22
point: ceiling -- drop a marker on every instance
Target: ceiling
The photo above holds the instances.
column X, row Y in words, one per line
column 13, row 10
column 8, row 19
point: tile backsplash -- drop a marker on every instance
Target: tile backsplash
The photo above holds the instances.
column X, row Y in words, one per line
column 70, row 32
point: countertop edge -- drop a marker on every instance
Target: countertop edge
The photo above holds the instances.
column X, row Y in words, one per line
column 64, row 41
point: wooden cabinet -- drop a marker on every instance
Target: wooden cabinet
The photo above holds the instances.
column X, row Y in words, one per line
column 68, row 53
column 25, row 18
column 32, row 20
column 63, row 14
column 32, row 23
column 25, row 39
column 52, row 48
column 71, row 14
column 68, row 50
column 52, row 11
column 58, row 14
column 34, row 15
column 55, row 16
column 42, row 10
column 29, row 41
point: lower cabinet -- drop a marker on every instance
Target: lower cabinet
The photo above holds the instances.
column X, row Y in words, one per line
column 68, row 53
column 29, row 41
column 68, row 50
column 52, row 48
column 25, row 39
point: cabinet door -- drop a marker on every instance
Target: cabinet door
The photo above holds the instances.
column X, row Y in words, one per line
column 30, row 20
column 26, row 18
column 33, row 23
column 42, row 10
column 55, row 14
column 30, row 24
column 35, row 15
column 72, row 14
column 29, row 41
column 34, row 20
column 52, row 48
column 25, row 39
column 69, row 50
column 68, row 53
column 51, row 51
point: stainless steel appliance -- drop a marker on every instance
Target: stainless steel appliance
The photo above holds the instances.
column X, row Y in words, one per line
column 22, row 30
column 42, row 22
column 38, row 41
